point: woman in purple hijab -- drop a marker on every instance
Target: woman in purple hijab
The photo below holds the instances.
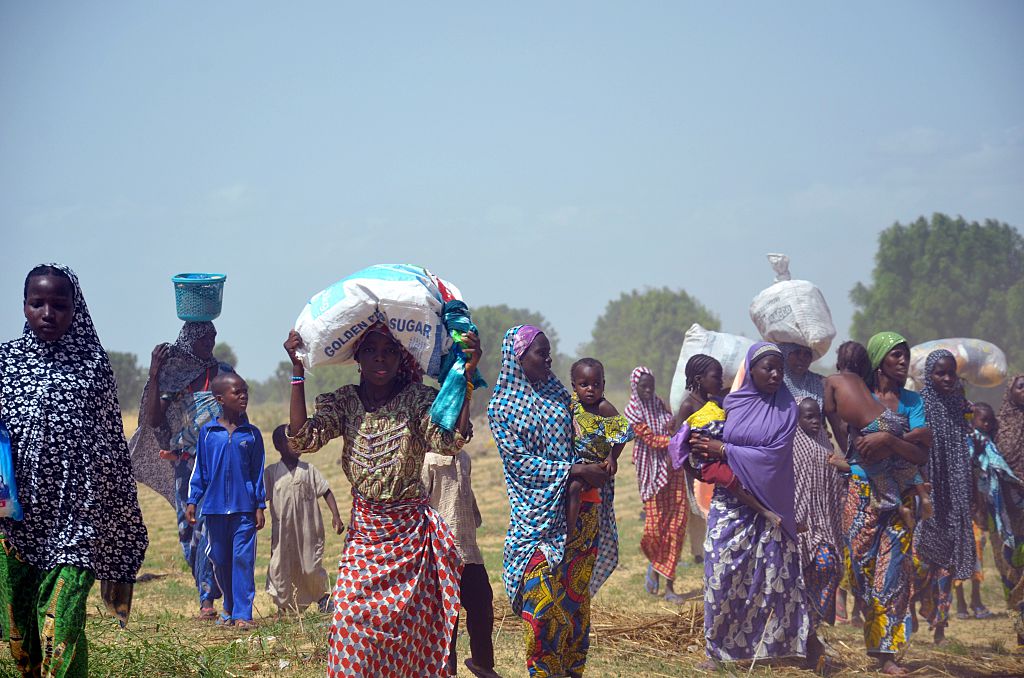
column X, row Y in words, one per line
column 754, row 604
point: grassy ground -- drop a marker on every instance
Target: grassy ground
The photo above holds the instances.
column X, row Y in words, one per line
column 164, row 639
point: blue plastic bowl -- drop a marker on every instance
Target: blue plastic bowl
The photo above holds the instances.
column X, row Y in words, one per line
column 198, row 297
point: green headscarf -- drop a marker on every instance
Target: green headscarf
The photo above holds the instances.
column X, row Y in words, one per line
column 880, row 345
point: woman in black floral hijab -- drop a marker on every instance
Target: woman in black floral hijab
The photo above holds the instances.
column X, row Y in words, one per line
column 82, row 520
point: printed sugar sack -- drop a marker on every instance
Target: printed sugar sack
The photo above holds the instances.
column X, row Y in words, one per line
column 978, row 362
column 793, row 311
column 408, row 299
column 9, row 505
column 728, row 349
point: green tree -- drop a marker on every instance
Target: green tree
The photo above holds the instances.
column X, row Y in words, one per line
column 130, row 376
column 225, row 354
column 946, row 278
column 646, row 328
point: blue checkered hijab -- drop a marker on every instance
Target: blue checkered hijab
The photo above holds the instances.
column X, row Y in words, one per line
column 532, row 427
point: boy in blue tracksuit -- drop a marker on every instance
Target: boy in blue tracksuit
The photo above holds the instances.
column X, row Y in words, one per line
column 228, row 479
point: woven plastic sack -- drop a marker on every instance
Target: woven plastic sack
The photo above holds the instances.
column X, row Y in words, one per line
column 728, row 349
column 978, row 362
column 9, row 505
column 793, row 311
column 406, row 298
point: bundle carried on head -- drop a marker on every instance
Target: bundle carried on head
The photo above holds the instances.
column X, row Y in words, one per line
column 793, row 311
column 978, row 362
column 423, row 312
column 728, row 349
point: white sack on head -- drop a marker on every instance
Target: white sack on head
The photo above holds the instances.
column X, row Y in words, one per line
column 406, row 298
column 728, row 349
column 978, row 362
column 793, row 311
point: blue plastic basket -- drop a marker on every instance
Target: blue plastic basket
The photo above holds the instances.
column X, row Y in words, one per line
column 198, row 296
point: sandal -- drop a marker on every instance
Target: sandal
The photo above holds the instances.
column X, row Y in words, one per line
column 651, row 581
column 225, row 621
column 478, row 670
column 981, row 612
column 207, row 614
column 962, row 615
column 245, row 624
column 673, row 597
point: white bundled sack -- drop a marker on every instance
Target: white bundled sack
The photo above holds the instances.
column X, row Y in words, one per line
column 728, row 349
column 978, row 362
column 793, row 311
column 408, row 299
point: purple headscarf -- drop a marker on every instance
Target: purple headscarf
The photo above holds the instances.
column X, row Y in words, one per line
column 524, row 339
column 759, row 429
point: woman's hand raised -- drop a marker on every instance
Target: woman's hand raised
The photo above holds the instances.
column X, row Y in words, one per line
column 473, row 352
column 292, row 344
column 156, row 360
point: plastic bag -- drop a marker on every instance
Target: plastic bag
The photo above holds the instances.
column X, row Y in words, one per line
column 10, row 507
column 978, row 362
column 793, row 311
column 728, row 349
column 406, row 298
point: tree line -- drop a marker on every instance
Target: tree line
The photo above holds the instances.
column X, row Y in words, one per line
column 932, row 279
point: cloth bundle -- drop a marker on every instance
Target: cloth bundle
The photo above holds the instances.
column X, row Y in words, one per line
column 793, row 311
column 728, row 349
column 978, row 362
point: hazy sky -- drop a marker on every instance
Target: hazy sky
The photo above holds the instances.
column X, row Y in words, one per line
column 542, row 155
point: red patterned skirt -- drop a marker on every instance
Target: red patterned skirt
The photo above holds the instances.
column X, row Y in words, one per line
column 396, row 601
column 665, row 525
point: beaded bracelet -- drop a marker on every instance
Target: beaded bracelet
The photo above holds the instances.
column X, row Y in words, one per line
column 296, row 379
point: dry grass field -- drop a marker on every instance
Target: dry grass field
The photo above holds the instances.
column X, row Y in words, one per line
column 164, row 639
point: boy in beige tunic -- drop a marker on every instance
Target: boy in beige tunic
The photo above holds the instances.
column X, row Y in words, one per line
column 296, row 576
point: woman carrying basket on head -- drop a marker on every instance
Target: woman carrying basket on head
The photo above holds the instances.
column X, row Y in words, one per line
column 176, row 402
column 396, row 600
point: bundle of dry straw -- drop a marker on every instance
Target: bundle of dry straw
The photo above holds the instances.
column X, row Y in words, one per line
column 677, row 629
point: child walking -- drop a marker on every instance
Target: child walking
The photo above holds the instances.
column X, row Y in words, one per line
column 228, row 479
column 600, row 434
column 296, row 576
column 450, row 493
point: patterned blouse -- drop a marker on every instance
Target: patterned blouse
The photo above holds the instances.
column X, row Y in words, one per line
column 383, row 450
column 596, row 435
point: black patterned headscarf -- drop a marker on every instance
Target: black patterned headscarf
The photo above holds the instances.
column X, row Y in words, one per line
column 1010, row 437
column 59, row 402
column 811, row 385
column 947, row 539
column 182, row 365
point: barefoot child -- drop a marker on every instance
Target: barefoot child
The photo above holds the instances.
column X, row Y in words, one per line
column 296, row 576
column 707, row 422
column 600, row 433
column 228, row 479
column 847, row 399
